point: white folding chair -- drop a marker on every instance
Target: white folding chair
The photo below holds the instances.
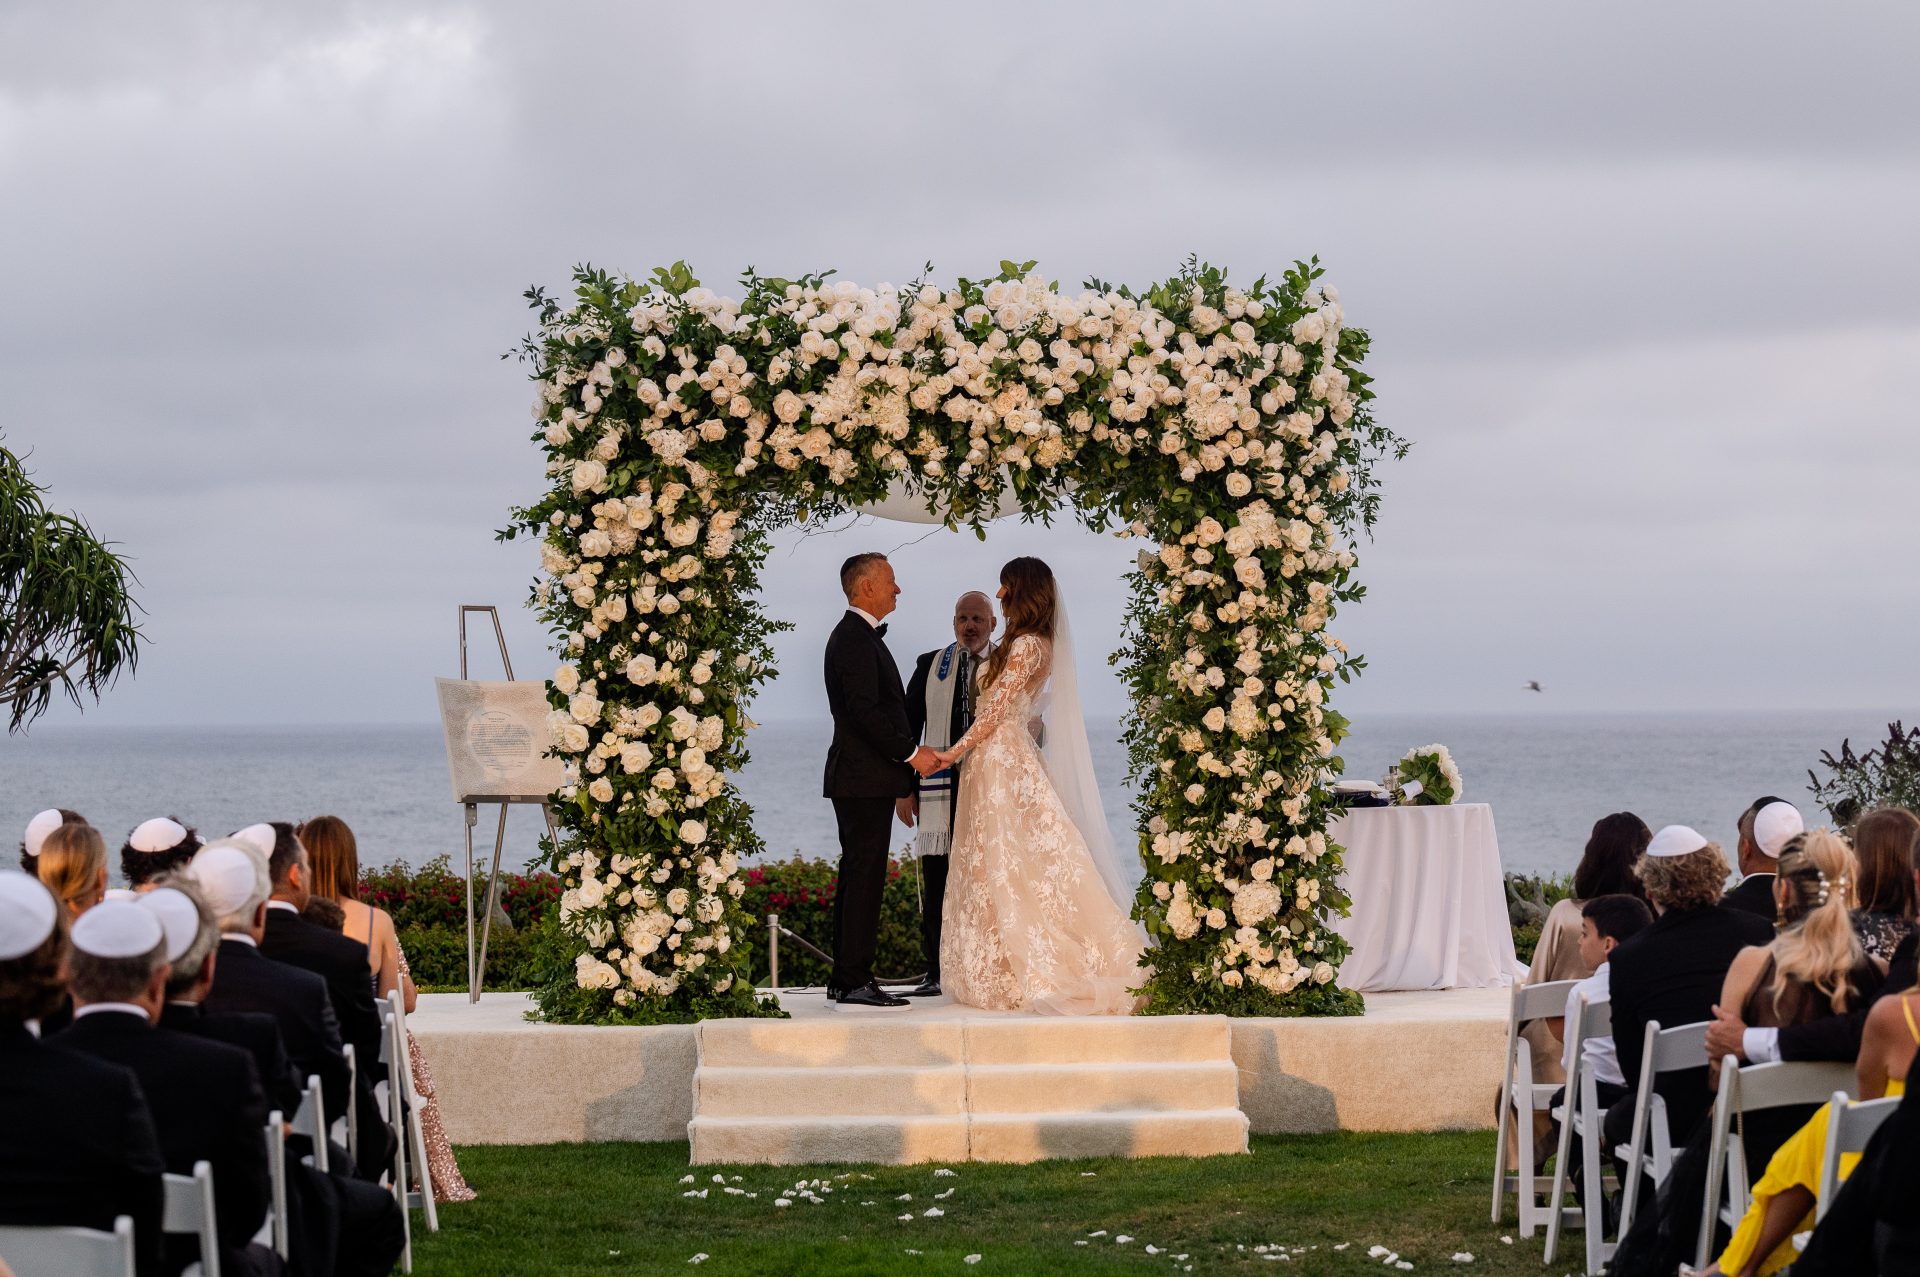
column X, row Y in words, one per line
column 1648, row 1154
column 1751, row 1090
column 275, row 1233
column 311, row 1120
column 36, row 1250
column 1849, row 1127
column 187, row 1208
column 1580, row 1114
column 400, row 1062
column 350, row 1132
column 1521, row 1097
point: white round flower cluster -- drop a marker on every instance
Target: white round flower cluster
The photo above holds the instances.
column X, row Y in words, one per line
column 1225, row 426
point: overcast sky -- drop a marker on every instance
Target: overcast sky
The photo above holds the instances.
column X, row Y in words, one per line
column 1642, row 282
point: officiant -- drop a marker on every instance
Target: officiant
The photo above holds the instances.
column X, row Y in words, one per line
column 940, row 703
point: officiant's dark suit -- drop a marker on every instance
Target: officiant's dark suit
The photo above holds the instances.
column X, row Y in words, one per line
column 866, row 771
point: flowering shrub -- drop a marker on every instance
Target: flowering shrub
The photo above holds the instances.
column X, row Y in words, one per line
column 1888, row 775
column 433, row 895
column 1225, row 426
column 801, row 892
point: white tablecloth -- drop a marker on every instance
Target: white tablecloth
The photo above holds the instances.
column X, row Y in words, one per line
column 1429, row 899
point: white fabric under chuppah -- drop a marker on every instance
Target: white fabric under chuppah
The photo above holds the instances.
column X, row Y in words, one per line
column 1429, row 899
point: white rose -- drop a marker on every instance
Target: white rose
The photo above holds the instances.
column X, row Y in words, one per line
column 1238, row 485
column 642, row 670
column 634, row 757
column 1217, row 919
column 1322, row 973
column 677, row 899
column 589, row 476
column 693, row 832
column 585, row 708
column 567, row 679
column 601, row 791
column 1215, row 719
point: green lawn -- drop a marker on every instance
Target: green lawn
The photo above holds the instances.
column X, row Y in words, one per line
column 614, row 1208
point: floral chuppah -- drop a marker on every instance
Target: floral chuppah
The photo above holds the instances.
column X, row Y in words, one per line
column 1227, row 427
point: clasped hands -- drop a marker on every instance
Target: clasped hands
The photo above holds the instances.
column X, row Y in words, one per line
column 1726, row 1035
column 927, row 760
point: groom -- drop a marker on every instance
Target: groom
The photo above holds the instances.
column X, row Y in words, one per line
column 870, row 765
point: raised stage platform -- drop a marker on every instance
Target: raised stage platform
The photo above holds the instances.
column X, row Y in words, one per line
column 941, row 1082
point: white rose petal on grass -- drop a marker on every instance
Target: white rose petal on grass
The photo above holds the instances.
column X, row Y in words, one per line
column 1101, row 1232
column 941, row 1197
column 904, row 1197
column 1403, row 1265
column 1463, row 1257
column 783, row 1201
column 906, row 1219
column 1080, row 1241
column 701, row 1258
column 1122, row 1240
column 971, row 1259
column 943, row 1173
column 686, row 1179
column 1153, row 1250
column 932, row 1212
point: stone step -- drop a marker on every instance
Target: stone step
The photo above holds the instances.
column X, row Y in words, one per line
column 1099, row 1039
column 786, row 1141
column 854, row 1091
column 850, row 1040
column 998, row 1137
column 1179, row 1086
column 1033, row 1137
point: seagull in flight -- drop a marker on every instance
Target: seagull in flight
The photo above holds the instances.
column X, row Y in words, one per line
column 1533, row 685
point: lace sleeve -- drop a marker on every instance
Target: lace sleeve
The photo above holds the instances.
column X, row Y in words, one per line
column 1025, row 663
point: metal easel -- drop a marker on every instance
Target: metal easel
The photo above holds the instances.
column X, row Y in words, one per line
column 477, row 958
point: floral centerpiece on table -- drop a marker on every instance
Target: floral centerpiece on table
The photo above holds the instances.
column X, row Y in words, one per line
column 1426, row 777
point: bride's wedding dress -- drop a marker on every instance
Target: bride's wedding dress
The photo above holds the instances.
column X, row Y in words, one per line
column 1030, row 924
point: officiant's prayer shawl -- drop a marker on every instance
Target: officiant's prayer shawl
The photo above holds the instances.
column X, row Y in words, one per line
column 949, row 685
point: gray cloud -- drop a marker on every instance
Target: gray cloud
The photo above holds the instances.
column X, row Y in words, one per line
column 1640, row 281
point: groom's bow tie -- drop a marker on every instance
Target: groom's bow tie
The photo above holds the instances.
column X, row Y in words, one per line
column 880, row 630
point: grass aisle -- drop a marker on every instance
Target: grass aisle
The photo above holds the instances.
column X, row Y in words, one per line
column 621, row 1208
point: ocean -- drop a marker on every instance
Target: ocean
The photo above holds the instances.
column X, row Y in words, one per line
column 1548, row 776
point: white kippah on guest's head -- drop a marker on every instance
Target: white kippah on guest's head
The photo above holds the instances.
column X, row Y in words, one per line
column 162, row 833
column 1776, row 825
column 179, row 918
column 27, row 914
column 117, row 929
column 1675, row 840
column 40, row 826
column 259, row 837
column 229, row 873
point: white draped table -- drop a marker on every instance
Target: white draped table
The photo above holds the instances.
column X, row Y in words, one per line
column 1429, row 899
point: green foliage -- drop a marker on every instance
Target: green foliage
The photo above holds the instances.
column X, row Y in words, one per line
column 1529, row 899
column 1887, row 775
column 433, row 895
column 66, row 610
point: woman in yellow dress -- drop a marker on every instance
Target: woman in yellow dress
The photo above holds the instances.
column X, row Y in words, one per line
column 1783, row 1201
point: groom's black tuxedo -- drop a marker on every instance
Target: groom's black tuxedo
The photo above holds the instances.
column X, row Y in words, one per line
column 866, row 771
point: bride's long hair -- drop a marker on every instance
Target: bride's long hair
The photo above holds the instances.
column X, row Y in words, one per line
column 1029, row 606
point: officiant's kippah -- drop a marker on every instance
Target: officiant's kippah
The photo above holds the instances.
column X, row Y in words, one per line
column 117, row 929
column 228, row 874
column 1775, row 825
column 162, row 833
column 259, row 837
column 27, row 914
column 40, row 826
column 179, row 918
column 1675, row 840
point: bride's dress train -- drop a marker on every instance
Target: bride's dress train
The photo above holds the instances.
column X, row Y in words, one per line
column 1030, row 925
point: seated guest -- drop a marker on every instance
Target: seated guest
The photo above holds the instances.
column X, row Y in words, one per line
column 325, row 913
column 79, row 1147
column 1606, row 869
column 1881, row 842
column 1674, row 970
column 193, row 940
column 42, row 824
column 335, row 856
column 155, row 847
column 339, row 960
column 1871, row 1228
column 320, row 1204
column 204, row 1096
column 1606, row 923
column 1784, row 1199
column 73, row 865
column 1764, row 829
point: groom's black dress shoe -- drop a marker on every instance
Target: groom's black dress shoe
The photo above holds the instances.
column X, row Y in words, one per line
column 925, row 989
column 868, row 995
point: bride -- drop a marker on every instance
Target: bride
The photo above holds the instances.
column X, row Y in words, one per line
column 1036, row 913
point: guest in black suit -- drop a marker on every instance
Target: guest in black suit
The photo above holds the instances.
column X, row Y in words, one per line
column 950, row 671
column 204, row 1096
column 338, row 959
column 362, row 1218
column 1673, row 971
column 79, row 1146
column 1765, row 828
column 870, row 766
